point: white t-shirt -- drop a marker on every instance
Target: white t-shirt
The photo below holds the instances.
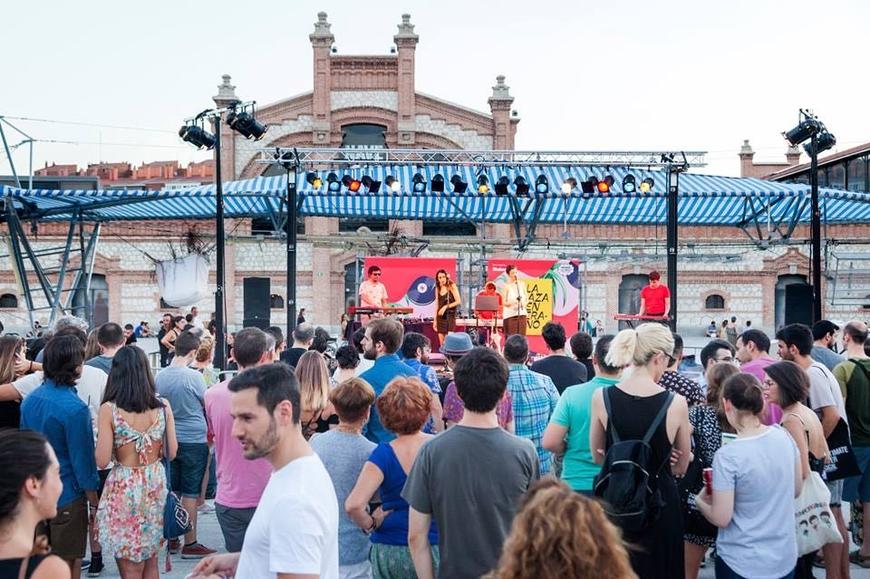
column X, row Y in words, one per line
column 825, row 390
column 90, row 388
column 295, row 527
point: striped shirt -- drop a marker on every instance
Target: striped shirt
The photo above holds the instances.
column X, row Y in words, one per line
column 534, row 399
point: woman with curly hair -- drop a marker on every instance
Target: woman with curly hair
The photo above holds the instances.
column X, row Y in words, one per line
column 559, row 533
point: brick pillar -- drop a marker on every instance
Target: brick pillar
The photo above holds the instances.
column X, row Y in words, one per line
column 500, row 106
column 406, row 46
column 225, row 97
column 793, row 155
column 321, row 43
column 746, row 155
column 409, row 227
column 323, row 296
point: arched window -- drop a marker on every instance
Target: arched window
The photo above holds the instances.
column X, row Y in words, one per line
column 276, row 302
column 714, row 302
column 8, row 301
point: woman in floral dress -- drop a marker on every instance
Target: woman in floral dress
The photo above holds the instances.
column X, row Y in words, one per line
column 132, row 425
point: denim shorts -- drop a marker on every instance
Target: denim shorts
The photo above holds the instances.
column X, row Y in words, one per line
column 858, row 487
column 188, row 468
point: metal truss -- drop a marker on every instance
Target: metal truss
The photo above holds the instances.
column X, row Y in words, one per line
column 765, row 229
column 313, row 157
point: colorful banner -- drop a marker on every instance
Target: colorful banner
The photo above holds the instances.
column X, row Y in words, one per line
column 560, row 302
column 410, row 281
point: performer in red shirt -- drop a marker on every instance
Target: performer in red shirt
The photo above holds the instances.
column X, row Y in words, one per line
column 489, row 290
column 655, row 299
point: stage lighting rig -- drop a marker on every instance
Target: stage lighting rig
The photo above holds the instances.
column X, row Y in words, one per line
column 352, row 184
column 501, row 186
column 459, row 186
column 647, row 185
column 542, row 185
column 197, row 136
column 314, row 180
column 629, row 184
column 393, row 184
column 333, row 185
column 418, row 183
column 482, row 184
column 370, row 184
column 522, row 186
column 437, row 184
column 569, row 185
column 244, row 123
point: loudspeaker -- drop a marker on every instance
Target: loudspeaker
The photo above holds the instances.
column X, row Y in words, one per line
column 799, row 304
column 257, row 301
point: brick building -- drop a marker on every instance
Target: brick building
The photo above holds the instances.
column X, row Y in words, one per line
column 372, row 102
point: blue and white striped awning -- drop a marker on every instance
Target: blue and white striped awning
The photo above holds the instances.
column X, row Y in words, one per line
column 703, row 199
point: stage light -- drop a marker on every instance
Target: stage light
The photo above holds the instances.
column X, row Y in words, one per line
column 437, row 184
column 568, row 185
column 483, row 184
column 605, row 184
column 629, row 185
column 646, row 185
column 370, row 184
column 393, row 184
column 590, row 185
column 333, row 185
column 824, row 141
column 197, row 136
column 314, row 180
column 246, row 125
column 806, row 129
column 501, row 186
column 542, row 185
column 352, row 184
column 522, row 186
column 459, row 186
column 419, row 183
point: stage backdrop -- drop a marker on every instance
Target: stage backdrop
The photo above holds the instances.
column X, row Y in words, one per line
column 410, row 281
column 554, row 293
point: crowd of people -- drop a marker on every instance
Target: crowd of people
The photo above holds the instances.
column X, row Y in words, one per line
column 591, row 460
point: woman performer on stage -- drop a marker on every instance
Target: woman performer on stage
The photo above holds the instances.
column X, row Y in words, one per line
column 447, row 300
column 516, row 298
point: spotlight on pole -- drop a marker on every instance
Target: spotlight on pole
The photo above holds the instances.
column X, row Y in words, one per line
column 501, row 186
column 437, row 184
column 352, row 184
column 646, row 185
column 314, row 180
column 370, row 184
column 393, row 184
column 542, row 185
column 824, row 141
column 805, row 129
column 522, row 186
column 333, row 185
column 197, row 136
column 246, row 125
column 459, row 186
column 568, row 185
column 418, row 183
column 482, row 184
column 629, row 185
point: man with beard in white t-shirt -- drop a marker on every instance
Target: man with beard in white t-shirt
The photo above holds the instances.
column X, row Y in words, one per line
column 294, row 531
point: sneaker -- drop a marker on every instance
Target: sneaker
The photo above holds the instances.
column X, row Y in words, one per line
column 96, row 568
column 174, row 546
column 196, row 551
column 206, row 508
column 86, row 563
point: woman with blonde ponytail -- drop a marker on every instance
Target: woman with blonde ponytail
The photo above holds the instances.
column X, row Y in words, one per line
column 634, row 404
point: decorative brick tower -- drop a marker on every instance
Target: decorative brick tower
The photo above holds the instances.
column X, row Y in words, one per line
column 322, row 40
column 226, row 96
column 406, row 46
column 504, row 126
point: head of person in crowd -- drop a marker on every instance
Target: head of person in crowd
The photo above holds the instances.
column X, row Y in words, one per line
column 69, row 322
column 205, row 352
column 357, row 339
column 12, row 350
column 179, row 323
column 167, row 321
column 266, row 408
column 516, row 349
column 717, row 352
column 129, row 330
column 404, row 405
column 347, row 357
column 481, row 378
column 374, row 274
column 554, row 336
column 752, row 344
column 581, row 345
column 278, row 335
column 678, row 352
column 825, row 333
column 511, row 272
column 786, row 383
column 75, row 332
column 383, row 337
column 320, row 343
column 30, row 482
column 253, row 347
column 716, row 376
column 303, row 336
column 353, row 401
column 111, row 338
column 212, row 327
column 313, row 378
column 186, row 346
column 560, row 533
column 194, row 311
column 416, row 346
column 854, row 337
column 92, row 345
column 455, row 346
column 650, row 346
column 743, row 400
column 189, row 319
column 794, row 342
column 599, row 358
column 131, row 384
column 733, row 319
column 655, row 279
column 64, row 358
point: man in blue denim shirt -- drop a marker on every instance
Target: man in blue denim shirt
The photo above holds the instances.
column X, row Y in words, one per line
column 415, row 352
column 382, row 340
column 55, row 410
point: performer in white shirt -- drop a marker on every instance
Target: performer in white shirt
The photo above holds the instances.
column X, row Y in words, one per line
column 516, row 298
column 373, row 293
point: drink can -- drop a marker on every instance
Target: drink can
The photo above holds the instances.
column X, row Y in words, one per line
column 708, row 479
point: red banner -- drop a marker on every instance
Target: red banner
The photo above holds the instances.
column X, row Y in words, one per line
column 410, row 281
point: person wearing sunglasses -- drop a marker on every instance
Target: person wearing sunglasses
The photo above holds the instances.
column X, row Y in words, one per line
column 372, row 292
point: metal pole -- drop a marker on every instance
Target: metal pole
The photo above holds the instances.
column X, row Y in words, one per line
column 220, row 358
column 9, row 155
column 291, row 251
column 673, row 188
column 815, row 230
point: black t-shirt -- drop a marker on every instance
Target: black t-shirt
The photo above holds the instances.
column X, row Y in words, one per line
column 563, row 370
column 291, row 356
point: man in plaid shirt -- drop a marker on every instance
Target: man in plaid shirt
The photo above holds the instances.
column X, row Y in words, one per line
column 534, row 396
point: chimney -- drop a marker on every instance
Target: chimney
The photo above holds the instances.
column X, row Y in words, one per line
column 746, row 155
column 322, row 40
column 406, row 46
column 793, row 156
column 500, row 106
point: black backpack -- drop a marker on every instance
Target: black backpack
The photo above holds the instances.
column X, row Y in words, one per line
column 624, row 481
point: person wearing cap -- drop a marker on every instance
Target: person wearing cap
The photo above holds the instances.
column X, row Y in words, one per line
column 824, row 339
column 655, row 299
column 455, row 346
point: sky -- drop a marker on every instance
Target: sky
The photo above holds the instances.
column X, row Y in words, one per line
column 620, row 75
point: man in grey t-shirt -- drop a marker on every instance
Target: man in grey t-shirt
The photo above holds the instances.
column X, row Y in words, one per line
column 110, row 337
column 470, row 478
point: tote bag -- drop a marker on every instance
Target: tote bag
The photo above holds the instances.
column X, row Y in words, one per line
column 814, row 523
